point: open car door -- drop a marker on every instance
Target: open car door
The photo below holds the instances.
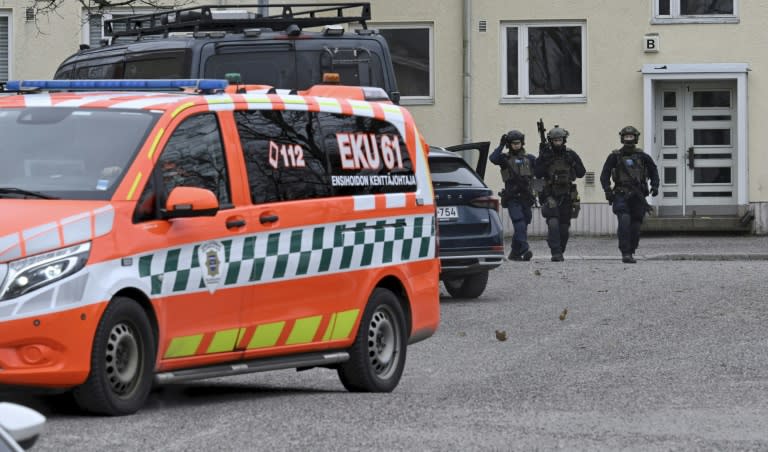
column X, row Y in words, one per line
column 475, row 154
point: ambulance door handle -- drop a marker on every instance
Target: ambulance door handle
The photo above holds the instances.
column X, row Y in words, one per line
column 234, row 223
column 268, row 219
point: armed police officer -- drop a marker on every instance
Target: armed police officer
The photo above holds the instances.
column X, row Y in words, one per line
column 630, row 168
column 517, row 196
column 559, row 166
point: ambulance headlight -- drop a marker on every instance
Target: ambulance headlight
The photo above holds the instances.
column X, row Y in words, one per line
column 34, row 272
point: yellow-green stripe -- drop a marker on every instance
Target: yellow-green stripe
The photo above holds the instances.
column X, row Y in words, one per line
column 223, row 341
column 181, row 108
column 345, row 321
column 329, row 328
column 304, row 330
column 135, row 184
column 266, row 335
column 183, row 346
column 155, row 142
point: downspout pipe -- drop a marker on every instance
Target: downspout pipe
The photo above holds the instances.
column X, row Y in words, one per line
column 466, row 109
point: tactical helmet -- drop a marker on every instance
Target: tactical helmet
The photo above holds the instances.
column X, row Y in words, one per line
column 515, row 135
column 557, row 132
column 629, row 130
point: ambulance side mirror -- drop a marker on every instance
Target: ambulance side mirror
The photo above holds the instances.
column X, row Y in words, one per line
column 190, row 202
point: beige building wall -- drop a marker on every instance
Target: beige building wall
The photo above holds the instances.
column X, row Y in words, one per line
column 614, row 83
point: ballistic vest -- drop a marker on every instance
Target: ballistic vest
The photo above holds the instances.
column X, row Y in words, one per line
column 629, row 171
column 559, row 176
column 518, row 165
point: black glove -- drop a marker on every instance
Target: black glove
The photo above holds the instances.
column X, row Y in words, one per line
column 609, row 196
column 654, row 191
column 503, row 140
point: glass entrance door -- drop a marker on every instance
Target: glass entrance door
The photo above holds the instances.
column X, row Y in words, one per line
column 696, row 148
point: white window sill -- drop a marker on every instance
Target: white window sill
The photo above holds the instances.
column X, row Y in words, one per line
column 543, row 100
column 417, row 101
column 693, row 20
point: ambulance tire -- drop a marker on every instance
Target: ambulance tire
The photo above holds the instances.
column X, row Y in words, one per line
column 471, row 286
column 122, row 361
column 377, row 358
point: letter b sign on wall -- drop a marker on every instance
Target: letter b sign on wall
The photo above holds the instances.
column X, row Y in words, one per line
column 651, row 42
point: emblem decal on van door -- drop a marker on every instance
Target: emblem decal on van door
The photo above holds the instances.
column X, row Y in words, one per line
column 212, row 258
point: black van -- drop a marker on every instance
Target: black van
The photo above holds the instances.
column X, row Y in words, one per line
column 270, row 49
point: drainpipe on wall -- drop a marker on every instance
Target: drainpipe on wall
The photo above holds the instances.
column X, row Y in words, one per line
column 466, row 110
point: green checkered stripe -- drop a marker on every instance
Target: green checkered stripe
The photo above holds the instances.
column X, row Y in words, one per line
column 291, row 253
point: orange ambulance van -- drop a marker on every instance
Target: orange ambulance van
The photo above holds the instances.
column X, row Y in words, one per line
column 157, row 231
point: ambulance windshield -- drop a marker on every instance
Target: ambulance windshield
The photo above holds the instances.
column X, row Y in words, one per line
column 69, row 153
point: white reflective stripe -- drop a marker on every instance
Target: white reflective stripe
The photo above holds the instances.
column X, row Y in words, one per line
column 295, row 103
column 360, row 108
column 392, row 113
column 77, row 228
column 90, row 99
column 395, row 200
column 365, row 202
column 37, row 100
column 222, row 102
column 105, row 218
column 10, row 247
column 423, row 182
column 41, row 238
column 148, row 102
column 328, row 104
column 256, row 101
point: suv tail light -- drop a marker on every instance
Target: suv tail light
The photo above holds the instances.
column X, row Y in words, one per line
column 488, row 202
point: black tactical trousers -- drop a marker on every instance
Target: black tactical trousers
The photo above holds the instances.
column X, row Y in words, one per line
column 557, row 211
column 630, row 211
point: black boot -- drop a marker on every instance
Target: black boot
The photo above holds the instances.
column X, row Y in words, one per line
column 628, row 259
column 527, row 255
column 557, row 257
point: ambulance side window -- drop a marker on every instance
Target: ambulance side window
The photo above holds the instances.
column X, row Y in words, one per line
column 367, row 155
column 193, row 157
column 282, row 156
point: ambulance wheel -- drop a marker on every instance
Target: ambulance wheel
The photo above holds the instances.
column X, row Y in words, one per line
column 471, row 286
column 377, row 357
column 122, row 361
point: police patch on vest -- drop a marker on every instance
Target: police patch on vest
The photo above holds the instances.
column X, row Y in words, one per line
column 211, row 256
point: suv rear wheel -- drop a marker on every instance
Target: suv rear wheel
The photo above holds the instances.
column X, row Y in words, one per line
column 471, row 286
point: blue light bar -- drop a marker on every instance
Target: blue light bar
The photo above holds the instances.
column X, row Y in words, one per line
column 207, row 85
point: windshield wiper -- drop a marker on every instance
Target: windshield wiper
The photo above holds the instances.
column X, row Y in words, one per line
column 22, row 192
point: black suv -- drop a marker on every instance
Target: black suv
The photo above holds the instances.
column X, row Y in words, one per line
column 470, row 231
column 264, row 44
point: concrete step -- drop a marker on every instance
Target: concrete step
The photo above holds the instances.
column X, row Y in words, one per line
column 714, row 223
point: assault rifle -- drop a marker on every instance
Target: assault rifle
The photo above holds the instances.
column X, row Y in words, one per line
column 637, row 188
column 542, row 130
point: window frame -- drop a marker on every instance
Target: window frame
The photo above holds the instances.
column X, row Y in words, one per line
column 9, row 16
column 675, row 17
column 430, row 26
column 523, row 88
column 85, row 31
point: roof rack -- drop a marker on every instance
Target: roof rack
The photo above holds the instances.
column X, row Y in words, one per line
column 201, row 86
column 236, row 18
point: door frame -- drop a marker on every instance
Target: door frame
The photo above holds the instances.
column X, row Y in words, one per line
column 654, row 73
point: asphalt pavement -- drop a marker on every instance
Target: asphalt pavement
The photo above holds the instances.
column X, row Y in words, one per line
column 660, row 247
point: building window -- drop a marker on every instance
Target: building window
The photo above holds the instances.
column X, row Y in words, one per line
column 412, row 58
column 544, row 62
column 93, row 29
column 5, row 47
column 695, row 11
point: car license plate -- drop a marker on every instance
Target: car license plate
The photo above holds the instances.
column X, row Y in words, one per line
column 446, row 213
